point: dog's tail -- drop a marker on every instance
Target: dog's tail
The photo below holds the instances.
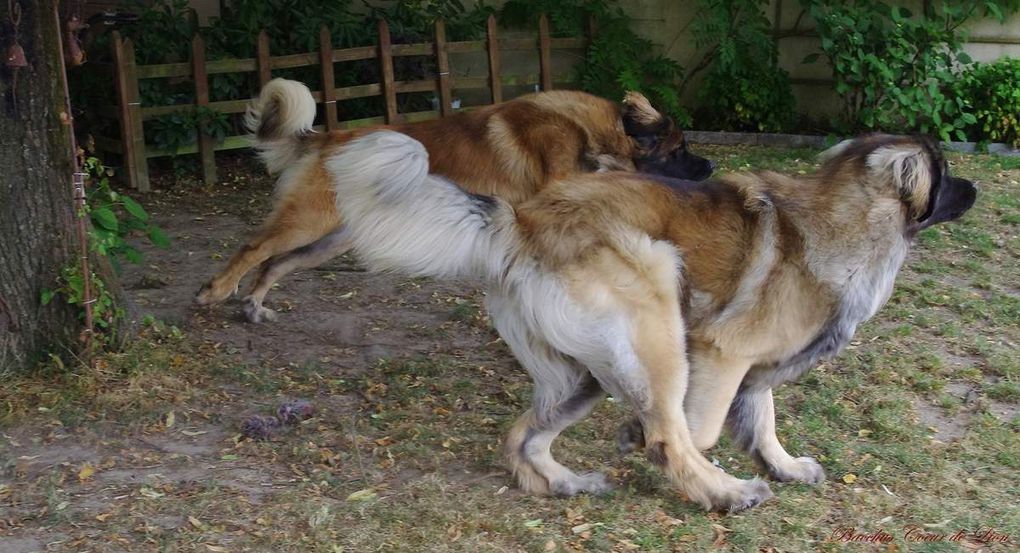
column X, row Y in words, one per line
column 403, row 219
column 279, row 119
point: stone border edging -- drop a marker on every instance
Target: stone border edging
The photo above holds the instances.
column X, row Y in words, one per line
column 816, row 141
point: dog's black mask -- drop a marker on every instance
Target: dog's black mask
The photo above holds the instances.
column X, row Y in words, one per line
column 662, row 148
column 679, row 163
column 950, row 199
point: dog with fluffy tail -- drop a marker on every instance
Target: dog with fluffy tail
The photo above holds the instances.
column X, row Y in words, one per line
column 690, row 301
column 595, row 316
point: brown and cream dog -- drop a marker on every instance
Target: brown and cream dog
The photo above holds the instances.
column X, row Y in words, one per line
column 510, row 150
column 691, row 301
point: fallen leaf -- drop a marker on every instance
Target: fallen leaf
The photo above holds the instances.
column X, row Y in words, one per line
column 194, row 432
column 103, row 517
column 86, row 472
column 582, row 528
column 550, row 545
column 362, row 495
column 533, row 523
column 849, row 478
column 195, row 522
column 720, row 534
column 150, row 493
column 168, row 419
column 212, row 547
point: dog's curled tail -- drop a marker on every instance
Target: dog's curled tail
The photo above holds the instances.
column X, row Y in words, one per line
column 279, row 119
column 405, row 220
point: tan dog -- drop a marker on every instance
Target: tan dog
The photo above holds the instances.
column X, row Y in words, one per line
column 688, row 300
column 510, row 150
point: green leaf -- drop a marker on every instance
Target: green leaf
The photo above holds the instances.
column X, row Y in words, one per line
column 105, row 218
column 158, row 237
column 810, row 58
column 132, row 255
column 47, row 296
column 135, row 209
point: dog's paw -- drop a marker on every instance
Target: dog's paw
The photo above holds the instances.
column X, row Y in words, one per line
column 801, row 469
column 751, row 493
column 256, row 313
column 594, row 483
column 630, row 436
column 737, row 495
column 209, row 294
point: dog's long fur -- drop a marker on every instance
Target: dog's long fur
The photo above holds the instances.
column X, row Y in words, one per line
column 511, row 150
column 691, row 301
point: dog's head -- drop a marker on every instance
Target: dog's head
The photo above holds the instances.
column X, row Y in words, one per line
column 911, row 168
column 661, row 146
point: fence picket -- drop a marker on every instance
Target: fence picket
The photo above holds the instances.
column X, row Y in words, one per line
column 386, row 67
column 328, row 80
column 262, row 58
column 206, row 145
column 129, row 113
column 443, row 69
column 492, row 45
column 544, row 57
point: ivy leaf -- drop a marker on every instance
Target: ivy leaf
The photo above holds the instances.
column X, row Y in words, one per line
column 158, row 237
column 105, row 218
column 132, row 255
column 135, row 209
column 810, row 58
column 47, row 296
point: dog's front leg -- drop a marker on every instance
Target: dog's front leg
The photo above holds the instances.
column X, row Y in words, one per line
column 659, row 346
column 752, row 419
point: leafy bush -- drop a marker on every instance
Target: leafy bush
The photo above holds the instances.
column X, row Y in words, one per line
column 993, row 90
column 896, row 70
column 744, row 87
column 115, row 216
column 617, row 60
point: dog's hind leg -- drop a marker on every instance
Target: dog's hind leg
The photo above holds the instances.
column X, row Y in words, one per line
column 322, row 250
column 296, row 223
column 530, row 439
column 752, row 419
column 564, row 393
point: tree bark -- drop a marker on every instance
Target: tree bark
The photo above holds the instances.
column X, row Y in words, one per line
column 37, row 216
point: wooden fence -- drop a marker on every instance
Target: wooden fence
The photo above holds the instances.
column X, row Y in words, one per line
column 131, row 115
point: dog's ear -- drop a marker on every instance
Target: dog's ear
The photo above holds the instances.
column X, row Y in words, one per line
column 911, row 169
column 640, row 118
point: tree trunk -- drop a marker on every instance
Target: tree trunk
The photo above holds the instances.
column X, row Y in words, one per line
column 37, row 214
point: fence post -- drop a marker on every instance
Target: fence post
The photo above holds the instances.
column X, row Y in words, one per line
column 443, row 66
column 386, row 67
column 544, row 61
column 262, row 58
column 328, row 80
column 132, row 135
column 492, row 45
column 206, row 147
